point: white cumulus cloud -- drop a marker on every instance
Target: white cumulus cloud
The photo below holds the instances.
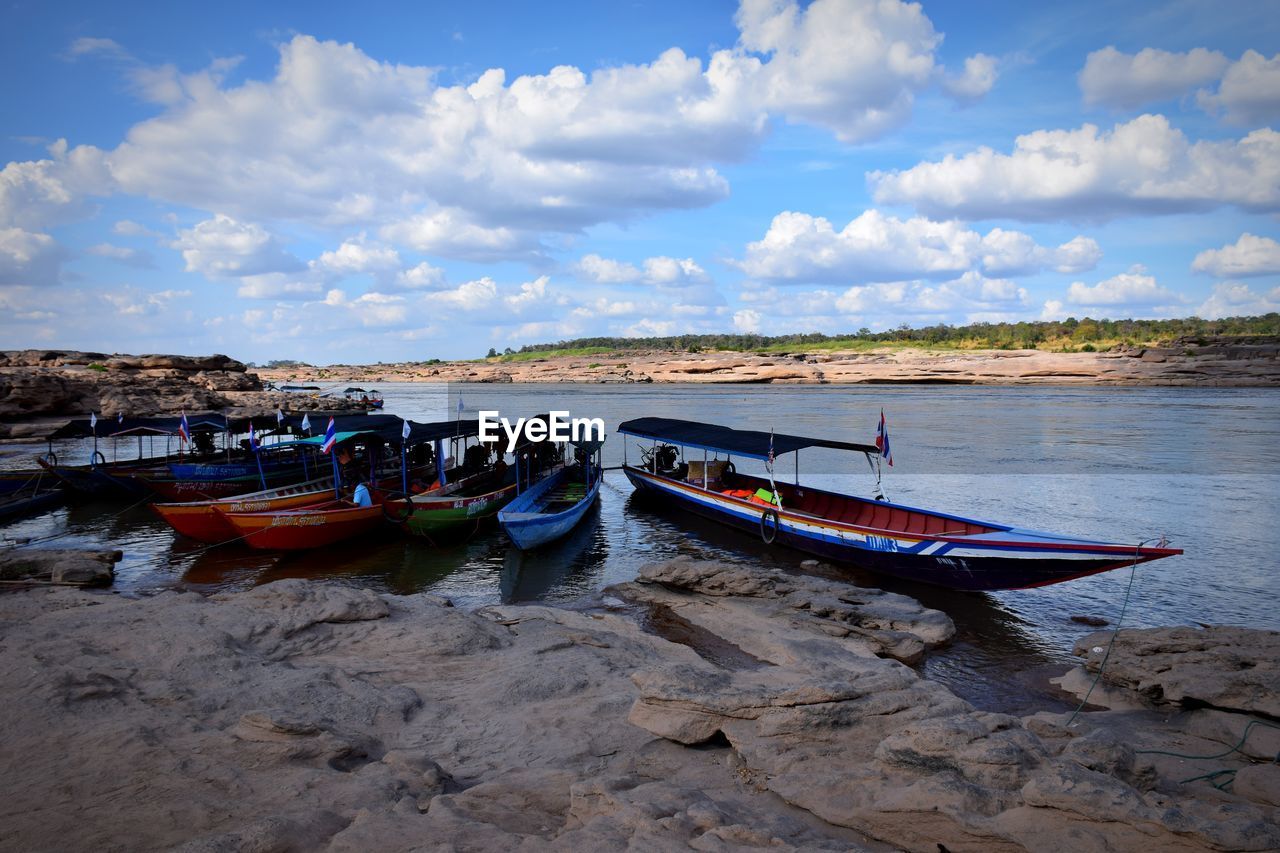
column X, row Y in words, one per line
column 223, row 247
column 1124, row 81
column 875, row 247
column 1249, row 93
column 1126, row 289
column 28, row 258
column 662, row 271
column 1144, row 166
column 1235, row 299
column 1249, row 256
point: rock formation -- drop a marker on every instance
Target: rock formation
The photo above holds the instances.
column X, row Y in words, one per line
column 1239, row 362
column 307, row 715
column 41, row 388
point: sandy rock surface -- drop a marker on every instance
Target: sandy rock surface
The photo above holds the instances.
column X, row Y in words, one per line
column 41, row 389
column 1220, row 666
column 1241, row 362
column 312, row 716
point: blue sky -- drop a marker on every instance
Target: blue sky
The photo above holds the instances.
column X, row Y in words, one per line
column 362, row 182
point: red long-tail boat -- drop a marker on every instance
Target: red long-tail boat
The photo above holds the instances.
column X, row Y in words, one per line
column 307, row 527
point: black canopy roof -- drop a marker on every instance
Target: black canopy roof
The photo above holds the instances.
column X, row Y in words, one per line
column 167, row 425
column 389, row 427
column 742, row 442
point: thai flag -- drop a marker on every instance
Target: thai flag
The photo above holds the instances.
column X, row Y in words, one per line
column 253, row 441
column 184, row 429
column 330, row 436
column 882, row 440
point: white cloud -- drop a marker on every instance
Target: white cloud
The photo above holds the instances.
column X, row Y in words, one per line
column 979, row 76
column 1234, row 299
column 468, row 296
column 336, row 138
column 129, row 257
column 28, row 258
column 356, row 256
column 1249, row 93
column 1126, row 289
column 661, row 270
column 1140, row 167
column 420, row 277
column 135, row 302
column 854, row 66
column 875, row 247
column 746, row 320
column 278, row 286
column 1125, row 81
column 223, row 247
column 1248, row 256
column 37, row 194
column 89, row 46
column 129, row 228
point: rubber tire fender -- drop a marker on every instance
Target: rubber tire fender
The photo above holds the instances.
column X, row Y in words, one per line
column 394, row 515
column 777, row 525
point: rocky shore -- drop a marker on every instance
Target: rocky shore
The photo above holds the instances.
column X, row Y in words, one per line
column 1237, row 362
column 41, row 389
column 303, row 715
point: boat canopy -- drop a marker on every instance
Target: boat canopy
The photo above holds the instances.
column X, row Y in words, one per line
column 387, row 427
column 753, row 444
column 108, row 427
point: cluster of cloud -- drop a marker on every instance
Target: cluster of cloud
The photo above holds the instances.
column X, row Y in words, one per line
column 661, row 271
column 491, row 170
column 874, row 248
column 1144, row 166
column 1248, row 91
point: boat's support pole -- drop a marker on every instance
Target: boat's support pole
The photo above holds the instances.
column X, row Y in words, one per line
column 797, row 467
column 440, row 472
column 94, row 459
column 704, row 469
column 306, row 473
column 337, row 477
column 404, row 467
column 257, row 457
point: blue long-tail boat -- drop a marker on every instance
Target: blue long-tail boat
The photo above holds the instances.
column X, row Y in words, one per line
column 554, row 505
column 902, row 541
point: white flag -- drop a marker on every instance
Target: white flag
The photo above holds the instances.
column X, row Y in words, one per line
column 306, row 424
column 280, row 416
column 93, row 420
column 405, row 431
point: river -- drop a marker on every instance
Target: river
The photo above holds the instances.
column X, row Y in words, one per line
column 1201, row 466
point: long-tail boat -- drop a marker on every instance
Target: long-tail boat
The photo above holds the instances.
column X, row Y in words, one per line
column 335, row 519
column 902, row 541
column 453, row 507
column 554, row 506
column 307, row 527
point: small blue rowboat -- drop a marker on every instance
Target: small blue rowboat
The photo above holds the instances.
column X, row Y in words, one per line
column 555, row 505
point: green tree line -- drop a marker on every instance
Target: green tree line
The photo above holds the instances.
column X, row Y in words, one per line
column 1084, row 333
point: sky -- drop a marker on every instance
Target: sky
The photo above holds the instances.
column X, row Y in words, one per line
column 391, row 181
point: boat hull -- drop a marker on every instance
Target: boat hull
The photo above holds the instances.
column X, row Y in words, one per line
column 438, row 516
column 206, row 521
column 304, row 528
column 528, row 529
column 17, row 504
column 1009, row 559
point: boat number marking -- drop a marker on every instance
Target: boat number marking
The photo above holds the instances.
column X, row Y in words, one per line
column 882, row 543
column 297, row 521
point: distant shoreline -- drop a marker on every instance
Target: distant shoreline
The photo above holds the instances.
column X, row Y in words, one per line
column 1215, row 362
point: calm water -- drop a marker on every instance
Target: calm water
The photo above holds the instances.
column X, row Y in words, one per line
column 1200, row 466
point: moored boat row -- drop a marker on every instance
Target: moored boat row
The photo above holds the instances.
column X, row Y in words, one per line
column 439, row 480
